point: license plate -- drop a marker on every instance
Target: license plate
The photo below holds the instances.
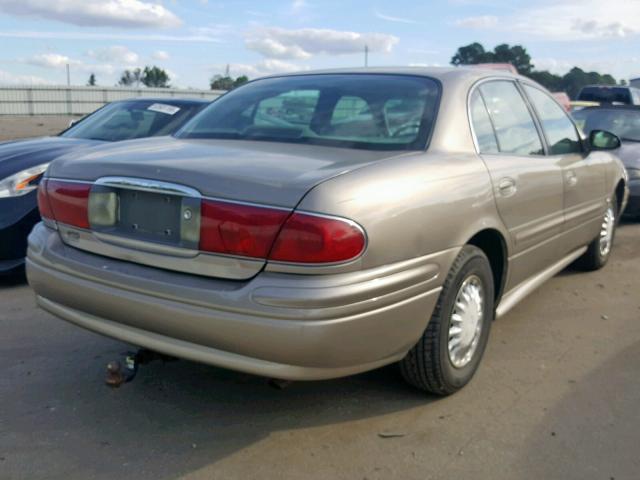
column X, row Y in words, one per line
column 145, row 216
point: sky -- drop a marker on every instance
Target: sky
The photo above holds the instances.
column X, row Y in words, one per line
column 194, row 40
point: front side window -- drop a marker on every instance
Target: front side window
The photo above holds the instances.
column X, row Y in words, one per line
column 369, row 111
column 482, row 128
column 514, row 126
column 560, row 131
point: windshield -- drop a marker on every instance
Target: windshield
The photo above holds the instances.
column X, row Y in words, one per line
column 625, row 123
column 369, row 111
column 134, row 119
column 606, row 94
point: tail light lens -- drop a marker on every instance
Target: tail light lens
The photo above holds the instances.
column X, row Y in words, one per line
column 43, row 200
column 65, row 202
column 278, row 235
column 309, row 238
column 237, row 229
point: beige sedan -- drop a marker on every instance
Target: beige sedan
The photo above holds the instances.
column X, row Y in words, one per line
column 317, row 225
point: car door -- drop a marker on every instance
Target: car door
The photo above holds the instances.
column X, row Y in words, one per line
column 584, row 176
column 528, row 185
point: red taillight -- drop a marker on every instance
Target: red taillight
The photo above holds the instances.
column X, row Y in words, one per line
column 68, row 202
column 309, row 238
column 237, row 229
column 43, row 200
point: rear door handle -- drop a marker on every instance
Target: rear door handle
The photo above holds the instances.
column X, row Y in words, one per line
column 507, row 187
column 571, row 178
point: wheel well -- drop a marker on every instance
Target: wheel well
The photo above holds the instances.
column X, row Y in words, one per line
column 620, row 195
column 494, row 247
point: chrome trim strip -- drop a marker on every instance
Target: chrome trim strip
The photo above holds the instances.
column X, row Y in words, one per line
column 518, row 293
column 155, row 186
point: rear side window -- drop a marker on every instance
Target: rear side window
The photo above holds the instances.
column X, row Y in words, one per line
column 515, row 130
column 561, row 134
column 482, row 128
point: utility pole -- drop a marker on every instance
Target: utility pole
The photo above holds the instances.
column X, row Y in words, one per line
column 226, row 71
column 68, row 76
column 366, row 55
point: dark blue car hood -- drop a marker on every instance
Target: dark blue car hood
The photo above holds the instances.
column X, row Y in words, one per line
column 18, row 155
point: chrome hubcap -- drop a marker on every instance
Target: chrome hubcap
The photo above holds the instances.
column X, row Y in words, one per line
column 466, row 322
column 606, row 232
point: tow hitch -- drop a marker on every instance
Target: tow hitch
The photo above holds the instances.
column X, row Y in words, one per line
column 125, row 370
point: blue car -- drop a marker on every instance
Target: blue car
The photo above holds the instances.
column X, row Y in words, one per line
column 22, row 162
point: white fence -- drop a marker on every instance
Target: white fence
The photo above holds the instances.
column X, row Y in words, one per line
column 63, row 100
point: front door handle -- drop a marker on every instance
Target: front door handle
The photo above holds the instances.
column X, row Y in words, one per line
column 507, row 187
column 571, row 178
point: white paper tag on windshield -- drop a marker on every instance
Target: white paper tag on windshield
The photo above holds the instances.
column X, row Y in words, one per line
column 164, row 108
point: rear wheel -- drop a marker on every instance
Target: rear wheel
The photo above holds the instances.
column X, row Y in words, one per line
column 449, row 352
column 599, row 249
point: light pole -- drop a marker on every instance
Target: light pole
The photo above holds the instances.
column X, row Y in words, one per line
column 366, row 55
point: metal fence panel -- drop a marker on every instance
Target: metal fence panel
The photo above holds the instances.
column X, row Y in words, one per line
column 63, row 100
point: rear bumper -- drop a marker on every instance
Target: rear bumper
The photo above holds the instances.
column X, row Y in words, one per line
column 298, row 327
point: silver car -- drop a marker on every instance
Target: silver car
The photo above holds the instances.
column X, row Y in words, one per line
column 317, row 225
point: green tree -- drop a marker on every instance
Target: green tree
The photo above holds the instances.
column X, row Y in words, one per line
column 219, row 82
column 471, row 54
column 515, row 55
column 155, row 77
column 130, row 78
column 550, row 81
column 92, row 81
column 475, row 53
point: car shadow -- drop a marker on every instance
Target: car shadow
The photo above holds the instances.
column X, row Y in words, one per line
column 176, row 417
column 13, row 279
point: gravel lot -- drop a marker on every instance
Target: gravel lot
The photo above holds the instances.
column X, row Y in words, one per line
column 557, row 397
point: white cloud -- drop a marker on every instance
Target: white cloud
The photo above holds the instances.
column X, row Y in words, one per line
column 268, row 66
column 280, row 43
column 108, row 36
column 298, row 5
column 115, row 54
column 482, row 21
column 7, row 78
column 160, row 55
column 116, row 13
column 51, row 60
column 390, row 18
column 571, row 20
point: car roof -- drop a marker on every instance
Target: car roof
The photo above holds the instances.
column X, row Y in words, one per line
column 468, row 73
column 595, row 85
column 168, row 100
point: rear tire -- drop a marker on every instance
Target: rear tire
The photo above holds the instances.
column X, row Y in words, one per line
column 437, row 364
column 599, row 250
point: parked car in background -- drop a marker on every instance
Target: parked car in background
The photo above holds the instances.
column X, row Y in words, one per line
column 563, row 99
column 576, row 105
column 610, row 94
column 294, row 230
column 624, row 121
column 22, row 162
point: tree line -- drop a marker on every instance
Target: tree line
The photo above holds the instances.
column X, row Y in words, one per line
column 156, row 77
column 571, row 82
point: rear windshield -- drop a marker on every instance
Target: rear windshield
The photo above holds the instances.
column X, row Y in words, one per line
column 134, row 119
column 605, row 95
column 367, row 111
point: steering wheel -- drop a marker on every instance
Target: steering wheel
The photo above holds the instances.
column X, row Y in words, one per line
column 408, row 126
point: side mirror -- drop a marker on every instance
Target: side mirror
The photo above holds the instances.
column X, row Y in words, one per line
column 603, row 140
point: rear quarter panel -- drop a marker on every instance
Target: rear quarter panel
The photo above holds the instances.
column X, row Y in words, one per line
column 411, row 206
